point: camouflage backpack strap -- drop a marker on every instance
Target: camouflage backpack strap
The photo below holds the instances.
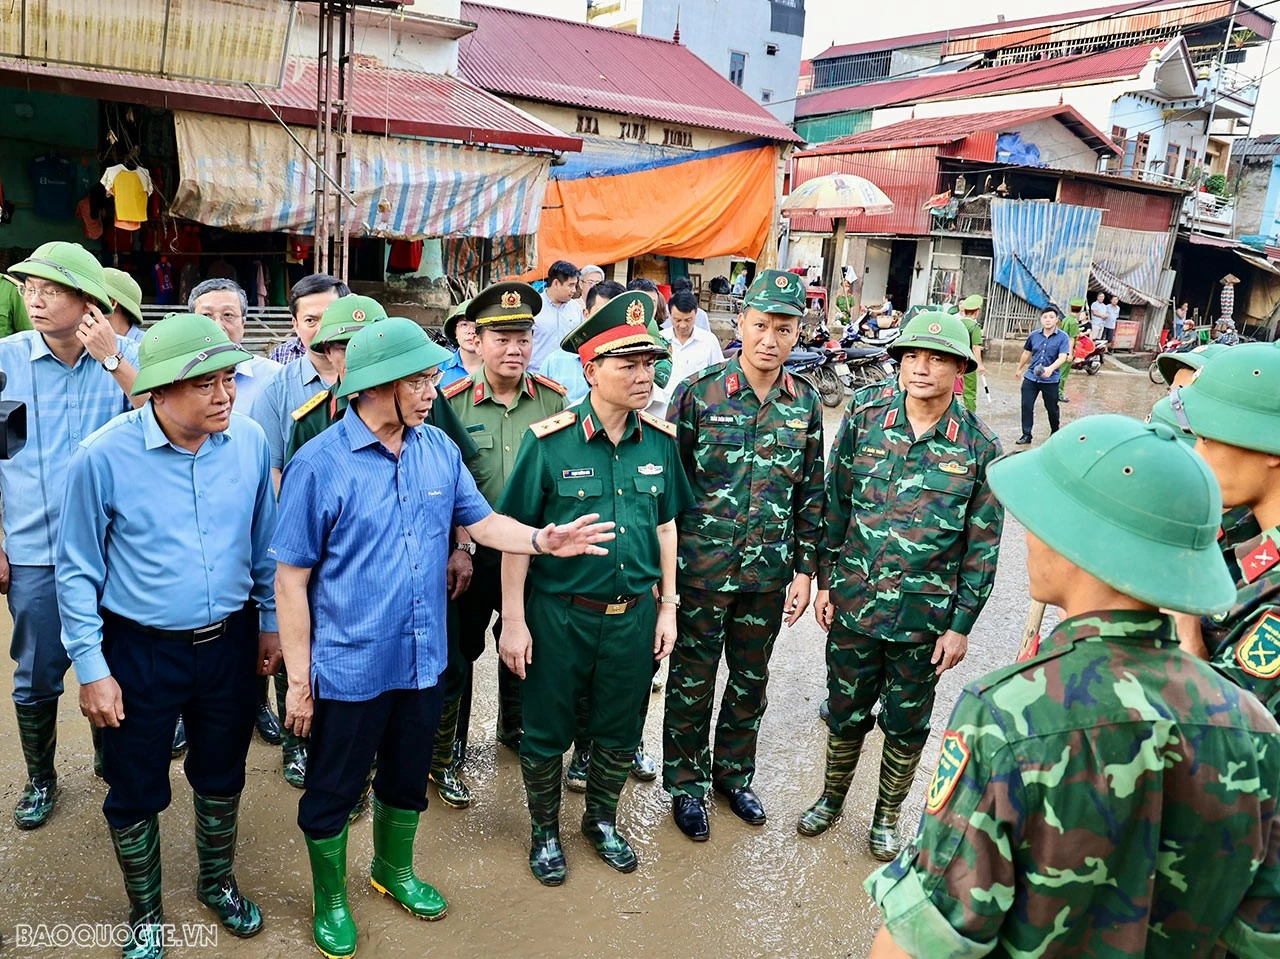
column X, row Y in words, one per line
column 549, row 383
column 456, row 387
column 309, row 405
column 650, row 420
column 553, row 424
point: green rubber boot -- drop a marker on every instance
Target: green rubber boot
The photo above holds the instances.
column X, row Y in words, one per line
column 575, row 777
column 332, row 928
column 38, row 731
column 293, row 750
column 216, row 820
column 897, row 771
column 510, row 710
column 446, row 760
column 542, row 789
column 391, row 872
column 95, row 734
column 842, row 760
column 607, row 776
column 138, row 853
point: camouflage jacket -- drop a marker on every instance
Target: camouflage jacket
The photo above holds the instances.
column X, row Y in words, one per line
column 912, row 527
column 1244, row 642
column 1110, row 797
column 756, row 473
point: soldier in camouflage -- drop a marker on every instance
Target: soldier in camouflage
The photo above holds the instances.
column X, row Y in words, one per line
column 1112, row 795
column 750, row 438
column 908, row 561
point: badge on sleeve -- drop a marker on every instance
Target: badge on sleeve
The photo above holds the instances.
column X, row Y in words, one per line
column 951, row 762
column 1258, row 653
column 1260, row 560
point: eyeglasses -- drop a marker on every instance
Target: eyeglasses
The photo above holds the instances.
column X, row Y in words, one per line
column 225, row 317
column 419, row 384
column 47, row 293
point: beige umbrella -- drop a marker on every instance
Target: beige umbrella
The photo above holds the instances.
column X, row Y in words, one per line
column 839, row 196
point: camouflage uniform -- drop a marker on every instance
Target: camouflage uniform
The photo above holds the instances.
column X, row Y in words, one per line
column 756, row 472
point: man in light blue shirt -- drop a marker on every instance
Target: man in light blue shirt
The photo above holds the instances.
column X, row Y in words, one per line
column 74, row 374
column 167, row 597
column 565, row 367
column 561, row 313
column 224, row 302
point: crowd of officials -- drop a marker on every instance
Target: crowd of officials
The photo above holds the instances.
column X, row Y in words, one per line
column 354, row 529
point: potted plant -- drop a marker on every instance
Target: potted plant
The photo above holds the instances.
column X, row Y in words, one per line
column 1216, row 184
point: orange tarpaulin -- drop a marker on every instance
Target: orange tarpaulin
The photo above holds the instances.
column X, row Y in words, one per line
column 718, row 205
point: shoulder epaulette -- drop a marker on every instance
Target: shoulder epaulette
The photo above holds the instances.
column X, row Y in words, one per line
column 553, row 424
column 1000, row 675
column 710, row 372
column 456, row 387
column 309, row 405
column 650, row 420
column 549, row 383
column 870, row 397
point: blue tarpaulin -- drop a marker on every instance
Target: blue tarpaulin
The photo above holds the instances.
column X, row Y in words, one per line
column 1043, row 250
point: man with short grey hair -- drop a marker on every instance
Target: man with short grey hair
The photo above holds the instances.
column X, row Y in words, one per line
column 224, row 302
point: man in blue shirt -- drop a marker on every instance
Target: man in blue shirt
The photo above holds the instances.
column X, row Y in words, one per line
column 378, row 490
column 74, row 374
column 1043, row 356
column 166, row 593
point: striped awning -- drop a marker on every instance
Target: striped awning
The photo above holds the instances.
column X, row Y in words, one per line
column 1128, row 263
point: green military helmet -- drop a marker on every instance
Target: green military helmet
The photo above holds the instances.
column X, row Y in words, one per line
column 504, row 306
column 1235, row 397
column 68, row 264
column 1169, row 363
column 345, row 317
column 451, row 319
column 1127, row 503
column 1164, row 412
column 183, row 346
column 973, row 302
column 940, row 332
column 386, row 351
column 776, row 291
column 125, row 291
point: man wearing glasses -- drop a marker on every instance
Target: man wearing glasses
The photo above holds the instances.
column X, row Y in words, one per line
column 224, row 302
column 74, row 373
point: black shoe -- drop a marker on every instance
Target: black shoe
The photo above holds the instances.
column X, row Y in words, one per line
column 1063, row 399
column 824, row 710
column 1023, row 440
column 690, row 815
column 267, row 725
column 745, row 805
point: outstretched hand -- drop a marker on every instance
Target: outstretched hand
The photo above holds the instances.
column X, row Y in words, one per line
column 577, row 538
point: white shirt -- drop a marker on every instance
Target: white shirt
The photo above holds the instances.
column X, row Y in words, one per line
column 1113, row 314
column 552, row 325
column 701, row 350
column 700, row 321
column 252, row 376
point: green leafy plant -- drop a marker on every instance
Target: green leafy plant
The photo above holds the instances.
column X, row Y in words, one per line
column 1216, row 184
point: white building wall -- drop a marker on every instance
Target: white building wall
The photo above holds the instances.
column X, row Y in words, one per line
column 1059, row 147
column 396, row 43
column 875, row 273
column 920, row 278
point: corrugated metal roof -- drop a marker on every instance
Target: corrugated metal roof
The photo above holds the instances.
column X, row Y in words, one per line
column 1061, row 71
column 395, row 102
column 558, row 61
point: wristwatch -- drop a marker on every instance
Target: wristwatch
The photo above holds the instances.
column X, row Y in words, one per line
column 112, row 363
column 672, row 600
column 469, row 548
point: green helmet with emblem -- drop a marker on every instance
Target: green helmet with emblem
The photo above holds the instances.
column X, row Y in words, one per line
column 1235, row 397
column 345, row 317
column 940, row 332
column 1169, row 363
column 1128, row 503
column 126, row 292
column 183, row 346
column 68, row 264
column 386, row 351
column 1077, row 304
column 776, row 291
column 455, row 315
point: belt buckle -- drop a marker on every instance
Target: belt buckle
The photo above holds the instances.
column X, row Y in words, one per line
column 615, row 609
column 207, row 634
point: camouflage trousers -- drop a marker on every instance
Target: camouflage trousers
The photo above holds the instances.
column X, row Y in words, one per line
column 742, row 627
column 861, row 670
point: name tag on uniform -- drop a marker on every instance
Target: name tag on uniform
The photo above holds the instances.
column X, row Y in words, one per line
column 475, row 428
column 955, row 469
column 716, row 418
column 578, row 474
column 872, row 451
column 649, row 469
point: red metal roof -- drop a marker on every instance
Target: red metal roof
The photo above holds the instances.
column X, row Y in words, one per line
column 528, row 55
column 1058, row 72
column 393, row 102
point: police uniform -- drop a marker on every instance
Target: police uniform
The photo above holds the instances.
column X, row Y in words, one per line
column 912, row 537
column 755, row 467
column 969, row 309
column 1102, row 798
column 592, row 622
column 1070, row 325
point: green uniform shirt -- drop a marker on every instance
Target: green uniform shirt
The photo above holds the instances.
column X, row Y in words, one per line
column 1070, row 326
column 970, row 392
column 912, row 527
column 1244, row 642
column 1110, row 797
column 756, row 473
column 568, row 467
column 13, row 312
column 498, row 430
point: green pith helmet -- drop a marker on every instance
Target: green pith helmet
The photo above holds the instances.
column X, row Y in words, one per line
column 68, row 264
column 125, row 291
column 345, row 317
column 183, row 346
column 775, row 291
column 940, row 332
column 970, row 303
column 1235, row 397
column 1163, row 412
column 451, row 319
column 386, row 351
column 1169, row 363
column 1128, row 503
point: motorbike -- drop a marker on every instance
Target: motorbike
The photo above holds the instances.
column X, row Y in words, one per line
column 818, row 368
column 1088, row 354
column 855, row 336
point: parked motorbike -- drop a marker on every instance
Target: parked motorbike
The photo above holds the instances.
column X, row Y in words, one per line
column 1088, row 354
column 855, row 337
column 818, row 369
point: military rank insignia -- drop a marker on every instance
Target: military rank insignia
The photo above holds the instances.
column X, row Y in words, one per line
column 951, row 762
column 1260, row 560
column 1259, row 652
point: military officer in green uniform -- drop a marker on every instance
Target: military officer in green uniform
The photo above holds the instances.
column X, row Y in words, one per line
column 908, row 562
column 594, row 629
column 1071, row 326
column 970, row 310
column 1110, row 796
column 750, row 439
column 496, row 405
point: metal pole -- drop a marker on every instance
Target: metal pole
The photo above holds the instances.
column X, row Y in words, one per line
column 298, row 143
column 1208, row 127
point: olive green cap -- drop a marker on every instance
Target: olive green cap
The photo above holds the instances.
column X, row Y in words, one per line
column 386, row 351
column 345, row 317
column 1235, row 397
column 125, row 291
column 183, row 346
column 1128, row 503
column 1169, row 363
column 1164, row 412
column 940, row 332
column 775, row 291
column 973, row 302
column 68, row 264
column 504, row 306
column 1077, row 303
column 451, row 319
column 622, row 327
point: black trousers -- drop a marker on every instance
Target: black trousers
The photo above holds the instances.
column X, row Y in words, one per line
column 397, row 728
column 213, row 685
column 476, row 607
column 1046, row 391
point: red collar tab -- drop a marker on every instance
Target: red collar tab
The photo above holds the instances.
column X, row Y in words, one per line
column 589, row 428
column 1260, row 560
column 477, row 394
column 953, row 430
column 732, row 383
column 891, row 417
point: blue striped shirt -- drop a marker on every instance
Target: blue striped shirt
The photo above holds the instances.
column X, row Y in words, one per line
column 64, row 405
column 374, row 531
column 163, row 536
column 292, row 386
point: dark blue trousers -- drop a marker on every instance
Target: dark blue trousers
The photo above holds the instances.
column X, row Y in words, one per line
column 1048, row 392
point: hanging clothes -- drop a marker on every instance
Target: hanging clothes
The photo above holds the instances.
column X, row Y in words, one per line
column 260, row 283
column 130, row 189
column 405, row 256
column 164, row 281
column 53, row 181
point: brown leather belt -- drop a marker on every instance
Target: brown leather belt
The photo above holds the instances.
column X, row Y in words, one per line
column 619, row 606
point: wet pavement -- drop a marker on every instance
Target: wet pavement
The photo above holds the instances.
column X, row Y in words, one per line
column 749, row 891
